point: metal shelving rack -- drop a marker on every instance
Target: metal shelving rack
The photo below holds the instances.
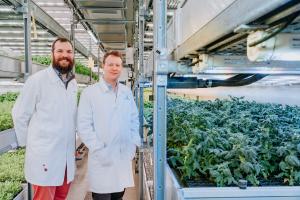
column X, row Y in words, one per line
column 196, row 44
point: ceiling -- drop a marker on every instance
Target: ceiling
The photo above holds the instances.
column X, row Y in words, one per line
column 100, row 25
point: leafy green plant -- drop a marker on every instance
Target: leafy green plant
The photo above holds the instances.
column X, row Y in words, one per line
column 11, row 174
column 5, row 121
column 12, row 166
column 44, row 60
column 9, row 96
column 223, row 141
column 79, row 67
column 9, row 190
column 6, row 103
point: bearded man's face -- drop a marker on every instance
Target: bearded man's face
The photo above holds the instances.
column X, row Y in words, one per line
column 63, row 57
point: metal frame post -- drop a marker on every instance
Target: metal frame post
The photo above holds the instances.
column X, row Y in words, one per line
column 28, row 57
column 90, row 54
column 27, row 38
column 98, row 61
column 72, row 36
column 160, row 88
column 141, row 95
column 136, row 63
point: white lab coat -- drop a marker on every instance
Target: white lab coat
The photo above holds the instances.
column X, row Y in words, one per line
column 109, row 127
column 44, row 118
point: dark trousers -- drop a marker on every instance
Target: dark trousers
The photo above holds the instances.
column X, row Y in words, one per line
column 108, row 196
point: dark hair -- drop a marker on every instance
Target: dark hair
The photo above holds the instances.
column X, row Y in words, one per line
column 112, row 53
column 60, row 39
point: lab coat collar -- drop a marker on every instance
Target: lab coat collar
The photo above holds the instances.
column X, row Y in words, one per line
column 54, row 77
column 104, row 86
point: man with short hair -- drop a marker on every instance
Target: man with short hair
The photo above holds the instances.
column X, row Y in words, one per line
column 108, row 125
column 44, row 118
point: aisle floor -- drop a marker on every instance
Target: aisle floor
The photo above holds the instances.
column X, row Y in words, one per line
column 79, row 187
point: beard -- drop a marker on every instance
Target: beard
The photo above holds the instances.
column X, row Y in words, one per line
column 63, row 70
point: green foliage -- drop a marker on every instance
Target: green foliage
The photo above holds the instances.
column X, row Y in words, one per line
column 223, row 141
column 9, row 96
column 12, row 166
column 11, row 174
column 79, row 67
column 44, row 60
column 6, row 121
column 9, row 190
column 6, row 103
column 148, row 114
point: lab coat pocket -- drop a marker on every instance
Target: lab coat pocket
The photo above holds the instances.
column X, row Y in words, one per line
column 103, row 157
column 128, row 153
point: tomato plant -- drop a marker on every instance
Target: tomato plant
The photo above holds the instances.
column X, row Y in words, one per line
column 223, row 141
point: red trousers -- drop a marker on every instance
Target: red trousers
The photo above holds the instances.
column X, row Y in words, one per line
column 51, row 192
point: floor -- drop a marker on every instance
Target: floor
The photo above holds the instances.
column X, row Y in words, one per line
column 79, row 187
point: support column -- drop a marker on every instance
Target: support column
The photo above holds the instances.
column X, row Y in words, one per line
column 27, row 38
column 160, row 88
column 72, row 36
column 28, row 58
column 141, row 95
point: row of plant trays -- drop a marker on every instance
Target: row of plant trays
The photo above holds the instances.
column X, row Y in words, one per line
column 23, row 195
column 176, row 191
column 8, row 141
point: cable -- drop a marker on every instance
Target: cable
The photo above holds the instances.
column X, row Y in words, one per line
column 193, row 82
column 280, row 28
column 233, row 82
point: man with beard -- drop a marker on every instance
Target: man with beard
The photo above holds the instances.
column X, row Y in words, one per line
column 44, row 118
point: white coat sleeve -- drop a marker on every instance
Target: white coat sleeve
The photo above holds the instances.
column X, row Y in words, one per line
column 134, row 126
column 23, row 110
column 85, row 124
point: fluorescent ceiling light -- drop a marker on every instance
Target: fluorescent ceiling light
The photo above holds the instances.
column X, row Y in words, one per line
column 40, row 51
column 59, row 11
column 92, row 36
column 19, row 31
column 149, row 24
column 169, row 13
column 63, row 19
column 6, row 9
column 50, row 4
column 22, row 38
column 148, row 40
column 149, row 33
column 10, row 23
column 32, row 48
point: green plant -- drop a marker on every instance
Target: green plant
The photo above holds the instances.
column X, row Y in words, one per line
column 12, row 166
column 9, row 190
column 11, row 173
column 79, row 67
column 6, row 121
column 220, row 142
column 44, row 60
column 9, row 96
